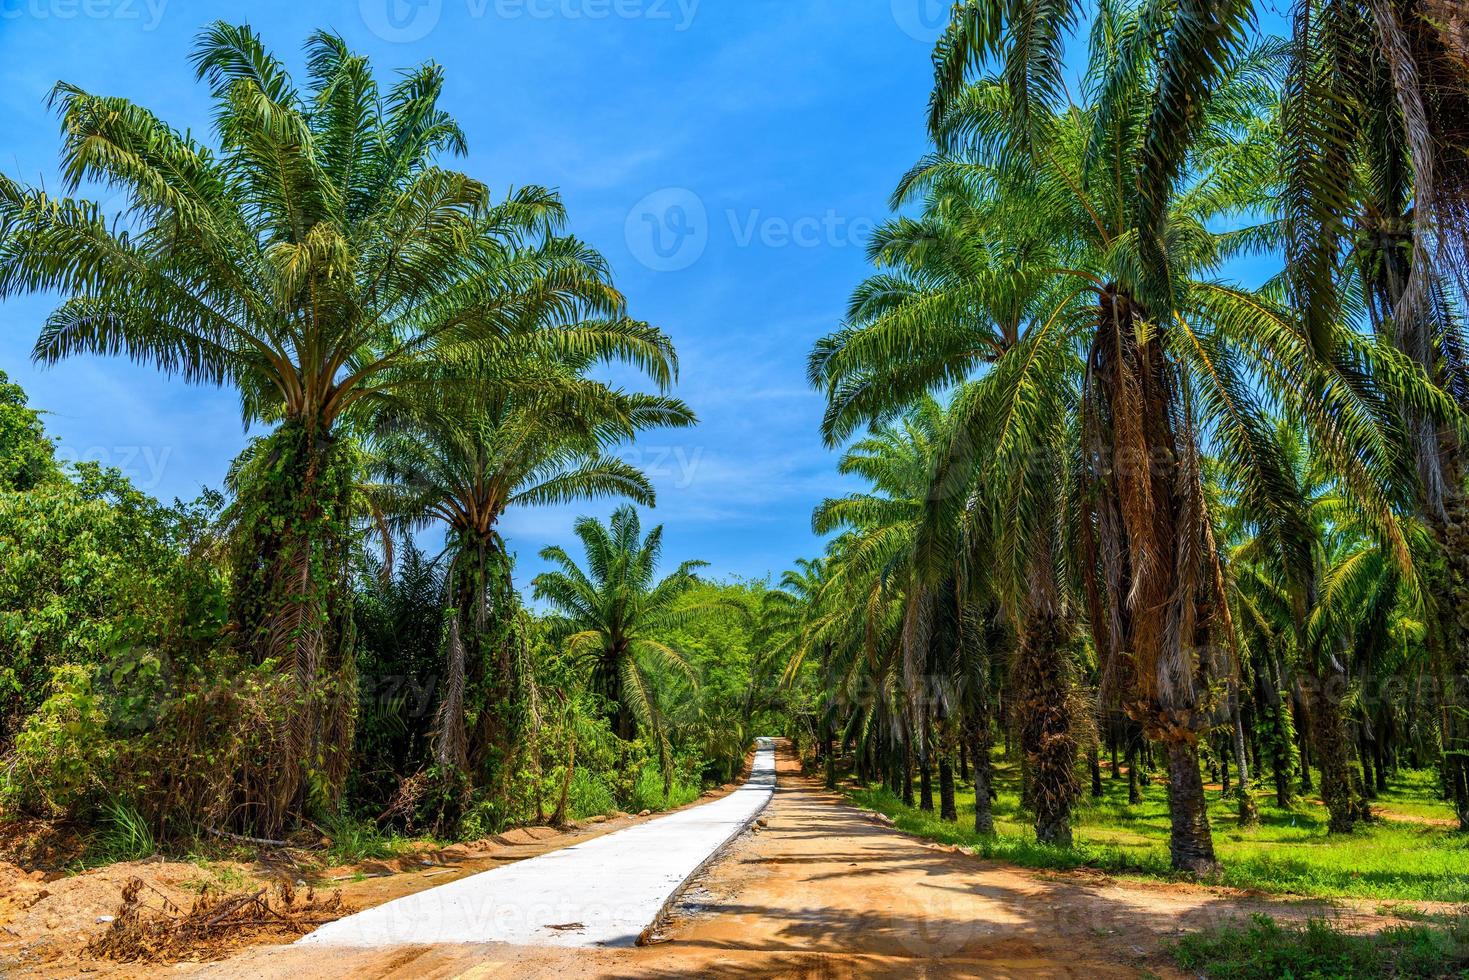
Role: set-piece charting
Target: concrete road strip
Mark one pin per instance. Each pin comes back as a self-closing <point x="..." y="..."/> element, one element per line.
<point x="603" y="892"/>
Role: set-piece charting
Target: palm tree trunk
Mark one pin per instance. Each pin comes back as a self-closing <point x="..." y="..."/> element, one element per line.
<point x="1134" y="789"/>
<point x="1095" y="760"/>
<point x="907" y="772"/>
<point x="981" y="744"/>
<point x="1190" y="844"/>
<point x="451" y="742"/>
<point x="1333" y="749"/>
<point x="1249" y="814"/>
<point x="925" y="768"/>
<point x="1304" y="721"/>
<point x="1154" y="550"/>
<point x="948" y="808"/>
<point x="290" y="604"/>
<point x="1044" y="694"/>
<point x="1452" y="533"/>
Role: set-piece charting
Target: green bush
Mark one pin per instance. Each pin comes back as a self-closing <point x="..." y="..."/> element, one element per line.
<point x="62" y="759"/>
<point x="356" y="840"/>
<point x="647" y="793"/>
<point x="125" y="836"/>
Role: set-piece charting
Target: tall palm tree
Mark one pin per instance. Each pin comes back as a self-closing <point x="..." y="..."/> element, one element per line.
<point x="616" y="614"/>
<point x="541" y="436"/>
<point x="319" y="260"/>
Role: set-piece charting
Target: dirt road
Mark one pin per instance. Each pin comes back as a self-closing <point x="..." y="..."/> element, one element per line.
<point x="824" y="890"/>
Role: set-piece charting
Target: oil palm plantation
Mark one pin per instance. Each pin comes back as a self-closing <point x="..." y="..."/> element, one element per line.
<point x="1325" y="606"/>
<point x="320" y="260"/>
<point x="1050" y="189"/>
<point x="614" y="614"/>
<point x="874" y="564"/>
<point x="541" y="435"/>
<point x="1375" y="166"/>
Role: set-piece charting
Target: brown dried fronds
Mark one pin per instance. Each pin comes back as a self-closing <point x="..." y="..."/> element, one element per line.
<point x="150" y="928"/>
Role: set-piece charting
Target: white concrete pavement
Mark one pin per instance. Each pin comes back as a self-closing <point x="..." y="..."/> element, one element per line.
<point x="603" y="892"/>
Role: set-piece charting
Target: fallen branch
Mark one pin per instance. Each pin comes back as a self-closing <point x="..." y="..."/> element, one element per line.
<point x="241" y="838"/>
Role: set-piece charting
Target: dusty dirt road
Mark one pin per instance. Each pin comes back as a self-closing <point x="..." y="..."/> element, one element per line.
<point x="824" y="890"/>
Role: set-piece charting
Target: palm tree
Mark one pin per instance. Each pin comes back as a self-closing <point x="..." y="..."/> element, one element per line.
<point x="545" y="439"/>
<point x="875" y="563"/>
<point x="320" y="261"/>
<point x="616" y="614"/>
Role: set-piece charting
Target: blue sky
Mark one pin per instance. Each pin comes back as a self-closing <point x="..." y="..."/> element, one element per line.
<point x="758" y="139"/>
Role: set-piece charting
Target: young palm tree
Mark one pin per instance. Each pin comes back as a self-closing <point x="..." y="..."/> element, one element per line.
<point x="318" y="261"/>
<point x="616" y="614"/>
<point x="541" y="436"/>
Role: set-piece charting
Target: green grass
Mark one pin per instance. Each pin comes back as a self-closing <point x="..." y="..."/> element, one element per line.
<point x="647" y="793"/>
<point x="354" y="840"/>
<point x="1266" y="950"/>
<point x="1289" y="852"/>
<point x="123" y="836"/>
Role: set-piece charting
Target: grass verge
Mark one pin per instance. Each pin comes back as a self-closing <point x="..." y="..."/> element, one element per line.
<point x="1267" y="950"/>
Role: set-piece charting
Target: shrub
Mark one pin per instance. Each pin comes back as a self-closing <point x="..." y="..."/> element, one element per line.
<point x="63" y="758"/>
<point x="589" y="796"/>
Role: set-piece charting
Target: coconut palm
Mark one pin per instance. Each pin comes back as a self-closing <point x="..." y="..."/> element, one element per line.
<point x="543" y="435"/>
<point x="319" y="260"/>
<point x="616" y="613"/>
